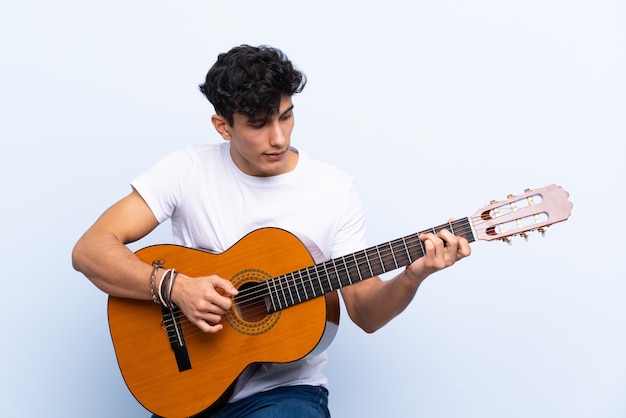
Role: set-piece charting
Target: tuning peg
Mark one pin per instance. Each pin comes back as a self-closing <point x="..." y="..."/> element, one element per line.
<point x="507" y="240"/>
<point x="542" y="230"/>
<point x="510" y="196"/>
<point x="493" y="201"/>
<point x="528" y="190"/>
<point x="524" y="235"/>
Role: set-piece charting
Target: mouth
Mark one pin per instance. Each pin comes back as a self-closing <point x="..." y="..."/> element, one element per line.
<point x="274" y="156"/>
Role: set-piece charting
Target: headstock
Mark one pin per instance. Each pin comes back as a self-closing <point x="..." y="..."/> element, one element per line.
<point x="517" y="215"/>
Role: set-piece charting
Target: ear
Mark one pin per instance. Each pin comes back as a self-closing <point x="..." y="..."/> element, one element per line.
<point x="221" y="126"/>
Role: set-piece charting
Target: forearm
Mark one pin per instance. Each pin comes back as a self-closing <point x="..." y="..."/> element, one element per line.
<point x="371" y="305"/>
<point x="111" y="266"/>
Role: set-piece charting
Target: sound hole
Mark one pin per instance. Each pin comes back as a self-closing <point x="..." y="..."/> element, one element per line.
<point x="251" y="308"/>
<point x="250" y="315"/>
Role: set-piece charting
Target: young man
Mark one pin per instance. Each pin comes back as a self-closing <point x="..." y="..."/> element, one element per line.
<point x="216" y="194"/>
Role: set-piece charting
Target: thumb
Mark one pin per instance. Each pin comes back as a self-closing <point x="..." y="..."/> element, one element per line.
<point x="226" y="286"/>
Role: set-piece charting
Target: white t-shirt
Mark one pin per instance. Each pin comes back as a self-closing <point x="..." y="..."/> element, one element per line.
<point x="212" y="205"/>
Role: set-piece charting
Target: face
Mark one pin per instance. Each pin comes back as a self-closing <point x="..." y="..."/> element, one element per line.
<point x="261" y="147"/>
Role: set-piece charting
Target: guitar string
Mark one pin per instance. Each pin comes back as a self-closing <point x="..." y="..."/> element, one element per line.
<point x="260" y="291"/>
<point x="259" y="295"/>
<point x="319" y="282"/>
<point x="384" y="251"/>
<point x="256" y="295"/>
<point x="344" y="265"/>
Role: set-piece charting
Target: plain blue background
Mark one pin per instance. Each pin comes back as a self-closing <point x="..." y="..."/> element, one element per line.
<point x="436" y="107"/>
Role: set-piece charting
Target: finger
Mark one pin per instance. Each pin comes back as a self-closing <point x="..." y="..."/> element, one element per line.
<point x="430" y="240"/>
<point x="452" y="241"/>
<point x="447" y="236"/>
<point x="210" y="318"/>
<point x="457" y="245"/>
<point x="225" y="285"/>
<point x="207" y="326"/>
<point x="464" y="248"/>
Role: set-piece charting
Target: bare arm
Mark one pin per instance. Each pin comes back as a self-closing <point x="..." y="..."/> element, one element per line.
<point x="102" y="256"/>
<point x="374" y="302"/>
<point x="101" y="253"/>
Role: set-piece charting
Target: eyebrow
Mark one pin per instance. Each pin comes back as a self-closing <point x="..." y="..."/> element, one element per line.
<point x="289" y="109"/>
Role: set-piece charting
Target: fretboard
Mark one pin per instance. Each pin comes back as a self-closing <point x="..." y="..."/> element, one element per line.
<point x="317" y="280"/>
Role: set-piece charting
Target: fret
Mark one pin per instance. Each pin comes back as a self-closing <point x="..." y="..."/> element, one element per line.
<point x="338" y="276"/>
<point x="275" y="307"/>
<point x="414" y="247"/>
<point x="306" y="294"/>
<point x="388" y="262"/>
<point x="308" y="280"/>
<point x="319" y="280"/>
<point x="369" y="258"/>
<point x="327" y="275"/>
<point x="278" y="293"/>
<point x="359" y="266"/>
<point x="400" y="257"/>
<point x="350" y="273"/>
<point x="369" y="266"/>
<point x="282" y="290"/>
<point x="311" y="282"/>
<point x="422" y="247"/>
<point x="293" y="301"/>
<point x="382" y="262"/>
<point x="393" y="256"/>
<point x="406" y="250"/>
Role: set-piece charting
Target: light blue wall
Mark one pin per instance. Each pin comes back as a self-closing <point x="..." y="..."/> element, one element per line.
<point x="435" y="107"/>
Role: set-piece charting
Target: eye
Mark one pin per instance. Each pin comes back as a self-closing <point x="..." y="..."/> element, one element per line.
<point x="256" y="124"/>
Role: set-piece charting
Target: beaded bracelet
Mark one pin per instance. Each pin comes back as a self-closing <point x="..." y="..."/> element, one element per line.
<point x="156" y="265"/>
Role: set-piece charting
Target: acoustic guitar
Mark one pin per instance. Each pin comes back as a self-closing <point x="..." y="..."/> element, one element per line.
<point x="284" y="306"/>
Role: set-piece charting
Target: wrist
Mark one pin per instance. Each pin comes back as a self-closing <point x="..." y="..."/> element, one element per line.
<point x="177" y="291"/>
<point x="413" y="277"/>
<point x="161" y="288"/>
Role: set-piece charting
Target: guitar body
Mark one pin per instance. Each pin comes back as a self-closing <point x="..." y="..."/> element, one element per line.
<point x="143" y="348"/>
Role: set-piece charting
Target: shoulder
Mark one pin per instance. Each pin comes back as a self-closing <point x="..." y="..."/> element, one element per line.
<point x="203" y="152"/>
<point x="324" y="170"/>
<point x="190" y="158"/>
<point x="328" y="183"/>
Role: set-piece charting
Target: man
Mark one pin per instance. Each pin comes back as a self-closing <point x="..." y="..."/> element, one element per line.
<point x="216" y="194"/>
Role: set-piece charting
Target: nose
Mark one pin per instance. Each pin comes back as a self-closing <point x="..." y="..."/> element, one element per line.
<point x="277" y="137"/>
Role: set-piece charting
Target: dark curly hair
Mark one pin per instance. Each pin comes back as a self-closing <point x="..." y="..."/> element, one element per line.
<point x="251" y="80"/>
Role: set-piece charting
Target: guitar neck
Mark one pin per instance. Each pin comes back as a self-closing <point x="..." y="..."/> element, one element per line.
<point x="320" y="279"/>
